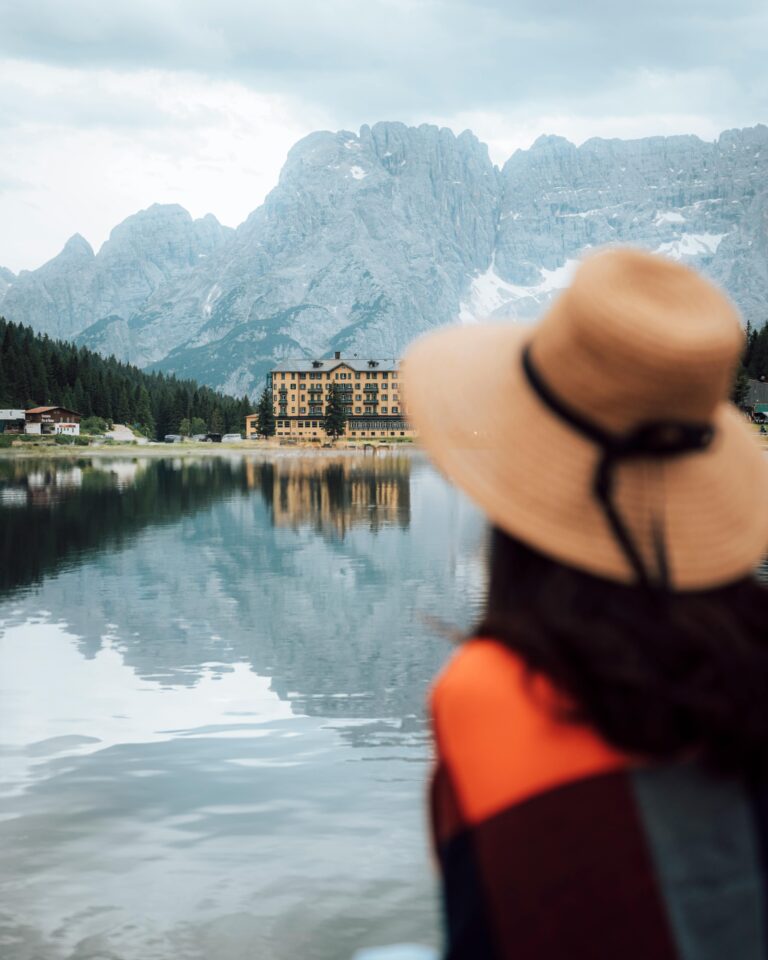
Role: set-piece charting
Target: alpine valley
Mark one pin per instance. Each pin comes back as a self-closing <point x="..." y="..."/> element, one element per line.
<point x="369" y="239"/>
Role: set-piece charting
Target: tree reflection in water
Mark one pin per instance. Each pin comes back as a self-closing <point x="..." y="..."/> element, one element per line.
<point x="55" y="513"/>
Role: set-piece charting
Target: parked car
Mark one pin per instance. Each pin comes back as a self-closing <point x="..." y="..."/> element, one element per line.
<point x="200" y="437"/>
<point x="760" y="418"/>
<point x="231" y="438"/>
<point x="172" y="438"/>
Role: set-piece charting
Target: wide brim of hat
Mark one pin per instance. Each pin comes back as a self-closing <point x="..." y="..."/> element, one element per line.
<point x="532" y="474"/>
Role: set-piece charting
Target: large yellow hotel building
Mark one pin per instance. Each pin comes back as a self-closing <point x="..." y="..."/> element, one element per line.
<point x="370" y="390"/>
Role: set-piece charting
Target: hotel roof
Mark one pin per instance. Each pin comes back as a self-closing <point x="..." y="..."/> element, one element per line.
<point x="302" y="365"/>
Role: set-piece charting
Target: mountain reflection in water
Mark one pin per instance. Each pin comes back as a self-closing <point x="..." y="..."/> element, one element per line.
<point x="194" y="657"/>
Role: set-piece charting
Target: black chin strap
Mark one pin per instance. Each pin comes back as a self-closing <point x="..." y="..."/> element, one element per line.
<point x="653" y="440"/>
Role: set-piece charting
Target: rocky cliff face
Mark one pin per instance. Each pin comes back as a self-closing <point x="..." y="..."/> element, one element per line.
<point x="366" y="241"/>
<point x="693" y="201"/>
<point x="6" y="279"/>
<point x="370" y="239"/>
<point x="77" y="288"/>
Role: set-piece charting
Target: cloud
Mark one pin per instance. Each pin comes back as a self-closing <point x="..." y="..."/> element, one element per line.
<point x="94" y="146"/>
<point x="385" y="57"/>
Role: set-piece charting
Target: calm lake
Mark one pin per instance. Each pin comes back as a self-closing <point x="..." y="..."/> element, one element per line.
<point x="212" y="679"/>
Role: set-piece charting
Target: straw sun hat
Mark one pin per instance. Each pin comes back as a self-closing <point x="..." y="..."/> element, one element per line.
<point x="603" y="436"/>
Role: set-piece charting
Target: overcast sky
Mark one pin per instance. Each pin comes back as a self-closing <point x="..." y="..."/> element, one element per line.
<point x="107" y="106"/>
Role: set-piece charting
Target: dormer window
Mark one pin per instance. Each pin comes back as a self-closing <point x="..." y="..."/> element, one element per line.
<point x="317" y="363"/>
<point x="373" y="363"/>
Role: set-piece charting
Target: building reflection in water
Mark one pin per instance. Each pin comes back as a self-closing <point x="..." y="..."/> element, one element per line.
<point x="333" y="494"/>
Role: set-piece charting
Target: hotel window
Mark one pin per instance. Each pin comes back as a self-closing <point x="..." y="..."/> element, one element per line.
<point x="357" y="376"/>
<point x="302" y="410"/>
<point x="358" y="396"/>
<point x="395" y="409"/>
<point x="394" y="376"/>
<point x="293" y="376"/>
<point x="384" y="386"/>
<point x="383" y="409"/>
<point x="402" y="433"/>
<point x="302" y="376"/>
<point x="369" y="410"/>
<point x="385" y="375"/>
<point x="282" y="376"/>
<point x="293" y="386"/>
<point x="358" y="410"/>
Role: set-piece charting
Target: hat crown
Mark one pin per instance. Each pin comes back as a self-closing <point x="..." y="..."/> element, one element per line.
<point x="639" y="338"/>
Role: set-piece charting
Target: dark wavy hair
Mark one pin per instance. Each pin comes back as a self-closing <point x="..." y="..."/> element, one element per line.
<point x="661" y="676"/>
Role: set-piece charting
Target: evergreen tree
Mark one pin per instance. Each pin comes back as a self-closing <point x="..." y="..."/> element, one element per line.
<point x="78" y="395"/>
<point x="266" y="415"/>
<point x="335" y="416"/>
<point x="144" y="417"/>
<point x="740" y="387"/>
<point x="217" y="421"/>
<point x="123" y="409"/>
<point x="197" y="426"/>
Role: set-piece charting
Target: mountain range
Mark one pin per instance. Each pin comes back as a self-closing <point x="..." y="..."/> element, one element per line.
<point x="369" y="239"/>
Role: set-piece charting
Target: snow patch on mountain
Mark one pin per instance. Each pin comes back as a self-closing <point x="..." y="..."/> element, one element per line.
<point x="691" y="245"/>
<point x="490" y="297"/>
<point x="670" y="216"/>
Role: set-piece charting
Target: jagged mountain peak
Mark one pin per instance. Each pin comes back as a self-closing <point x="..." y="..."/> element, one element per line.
<point x="77" y="288"/>
<point x="157" y="221"/>
<point x="551" y="141"/>
<point x="371" y="237"/>
<point x="77" y="246"/>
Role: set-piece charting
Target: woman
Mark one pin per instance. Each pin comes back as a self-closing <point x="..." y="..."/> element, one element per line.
<point x="603" y="737"/>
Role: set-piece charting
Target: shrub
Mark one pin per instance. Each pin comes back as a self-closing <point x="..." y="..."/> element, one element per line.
<point x="81" y="441"/>
<point x="5" y="441"/>
<point x="94" y="425"/>
<point x="63" y="440"/>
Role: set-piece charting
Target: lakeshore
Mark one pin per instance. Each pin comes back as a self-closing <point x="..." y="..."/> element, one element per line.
<point x="270" y="448"/>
